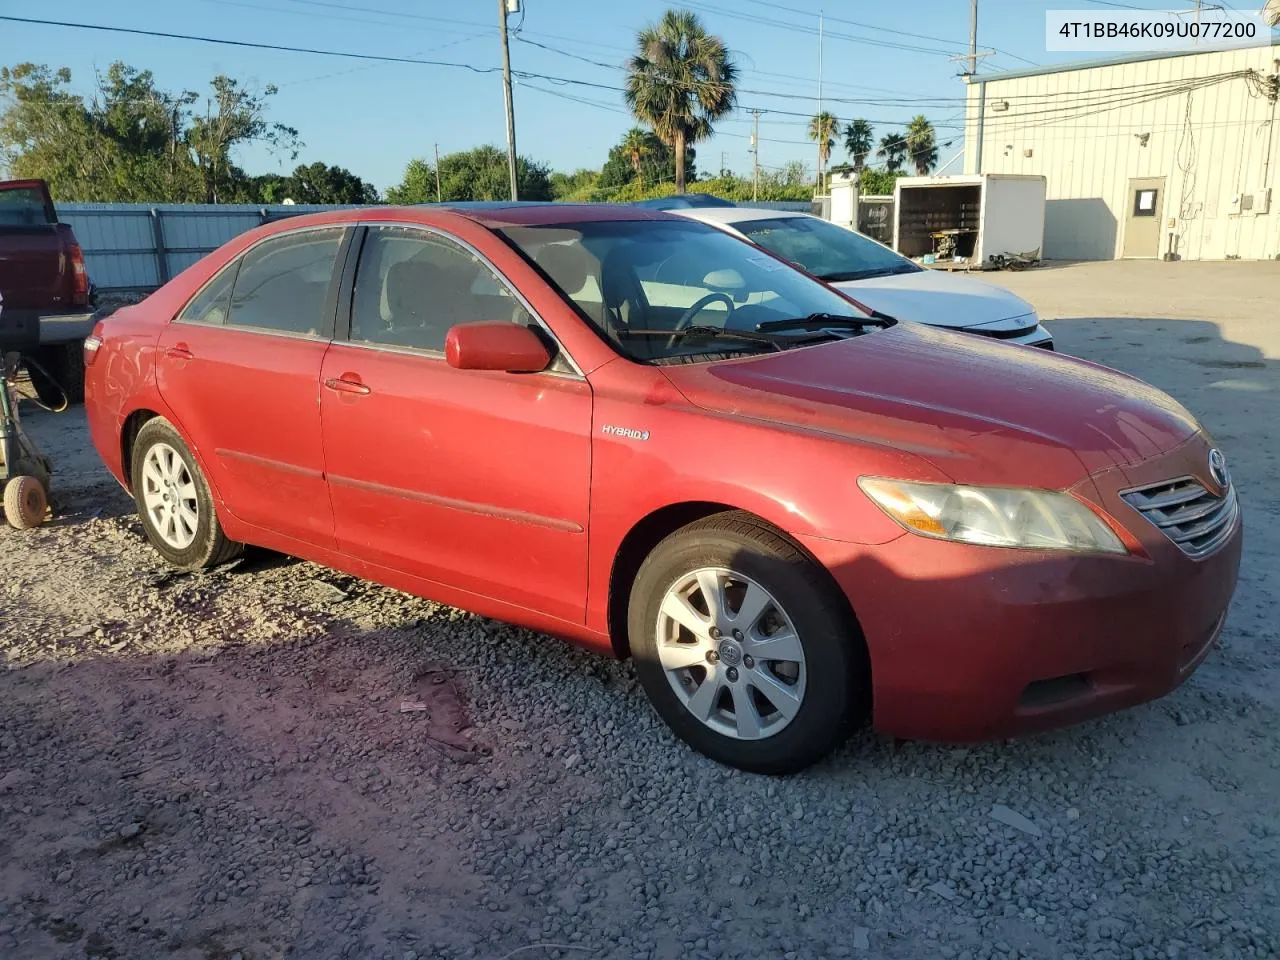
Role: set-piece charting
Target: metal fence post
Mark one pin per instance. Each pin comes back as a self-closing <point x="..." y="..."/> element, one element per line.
<point x="162" y="254"/>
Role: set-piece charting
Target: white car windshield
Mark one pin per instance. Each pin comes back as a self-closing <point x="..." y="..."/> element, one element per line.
<point x="663" y="290"/>
<point x="825" y="249"/>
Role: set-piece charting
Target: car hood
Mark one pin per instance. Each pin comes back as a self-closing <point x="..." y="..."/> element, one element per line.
<point x="940" y="298"/>
<point x="980" y="410"/>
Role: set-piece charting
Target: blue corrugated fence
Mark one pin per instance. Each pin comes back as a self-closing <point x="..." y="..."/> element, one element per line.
<point x="138" y="246"/>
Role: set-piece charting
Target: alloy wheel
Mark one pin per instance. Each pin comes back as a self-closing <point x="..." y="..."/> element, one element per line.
<point x="731" y="653"/>
<point x="169" y="495"/>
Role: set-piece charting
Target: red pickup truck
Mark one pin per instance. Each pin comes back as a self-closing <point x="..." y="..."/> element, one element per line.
<point x="45" y="289"/>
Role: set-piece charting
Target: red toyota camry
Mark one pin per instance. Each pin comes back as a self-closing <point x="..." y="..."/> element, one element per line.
<point x="647" y="436"/>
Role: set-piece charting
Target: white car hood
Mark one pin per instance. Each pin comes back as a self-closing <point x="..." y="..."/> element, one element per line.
<point x="941" y="299"/>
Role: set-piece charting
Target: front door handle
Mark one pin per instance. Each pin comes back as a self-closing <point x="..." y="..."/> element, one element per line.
<point x="346" y="385"/>
<point x="179" y="352"/>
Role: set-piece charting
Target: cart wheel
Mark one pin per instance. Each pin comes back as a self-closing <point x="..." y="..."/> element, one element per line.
<point x="25" y="502"/>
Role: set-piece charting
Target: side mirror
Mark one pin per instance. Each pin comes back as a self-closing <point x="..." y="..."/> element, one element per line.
<point x="495" y="345"/>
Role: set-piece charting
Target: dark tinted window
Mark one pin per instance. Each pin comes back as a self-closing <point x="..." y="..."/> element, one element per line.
<point x="23" y="207"/>
<point x="412" y="286"/>
<point x="283" y="283"/>
<point x="210" y="304"/>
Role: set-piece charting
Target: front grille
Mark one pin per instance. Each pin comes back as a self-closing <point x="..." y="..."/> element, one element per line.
<point x="1004" y="334"/>
<point x="1187" y="513"/>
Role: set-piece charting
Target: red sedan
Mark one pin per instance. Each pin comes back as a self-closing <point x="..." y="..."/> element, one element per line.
<point x="647" y="436"/>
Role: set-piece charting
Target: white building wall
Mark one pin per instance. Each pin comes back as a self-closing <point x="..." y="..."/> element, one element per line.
<point x="1081" y="129"/>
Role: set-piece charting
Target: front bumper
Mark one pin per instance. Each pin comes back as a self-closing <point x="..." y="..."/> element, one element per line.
<point x="976" y="643"/>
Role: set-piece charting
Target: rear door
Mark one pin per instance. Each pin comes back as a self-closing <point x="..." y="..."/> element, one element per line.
<point x="32" y="260"/>
<point x="240" y="368"/>
<point x="475" y="479"/>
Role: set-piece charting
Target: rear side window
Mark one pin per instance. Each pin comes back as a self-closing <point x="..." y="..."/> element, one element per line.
<point x="210" y="304"/>
<point x="283" y="283"/>
<point x="412" y="286"/>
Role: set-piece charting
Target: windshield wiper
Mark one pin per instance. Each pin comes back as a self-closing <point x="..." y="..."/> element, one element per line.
<point x="703" y="332"/>
<point x="829" y="321"/>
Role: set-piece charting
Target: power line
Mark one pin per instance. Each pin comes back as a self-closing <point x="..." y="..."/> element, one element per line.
<point x="251" y="44"/>
<point x="870" y="26"/>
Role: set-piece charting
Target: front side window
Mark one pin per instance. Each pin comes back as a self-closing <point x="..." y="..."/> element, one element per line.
<point x="412" y="286"/>
<point x="642" y="282"/>
<point x="283" y="283"/>
<point x="825" y="249"/>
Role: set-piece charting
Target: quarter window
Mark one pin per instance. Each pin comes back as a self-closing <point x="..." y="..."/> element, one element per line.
<point x="210" y="304"/>
<point x="283" y="283"/>
<point x="412" y="286"/>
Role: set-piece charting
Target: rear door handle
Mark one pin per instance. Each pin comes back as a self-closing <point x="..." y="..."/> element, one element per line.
<point x="179" y="352"/>
<point x="344" y="385"/>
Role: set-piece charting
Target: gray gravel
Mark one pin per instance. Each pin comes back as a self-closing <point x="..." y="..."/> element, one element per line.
<point x="219" y="766"/>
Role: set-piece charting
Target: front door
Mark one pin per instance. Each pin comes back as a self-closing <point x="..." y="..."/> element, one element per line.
<point x="1143" y="218"/>
<point x="478" y="480"/>
<point x="240" y="366"/>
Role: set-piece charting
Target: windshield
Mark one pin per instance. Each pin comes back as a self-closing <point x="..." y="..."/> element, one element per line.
<point x="825" y="249"/>
<point x="637" y="280"/>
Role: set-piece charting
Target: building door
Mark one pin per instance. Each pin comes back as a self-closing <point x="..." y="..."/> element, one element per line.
<point x="1143" y="218"/>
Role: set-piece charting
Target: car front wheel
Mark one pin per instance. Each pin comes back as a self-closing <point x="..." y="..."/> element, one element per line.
<point x="744" y="646"/>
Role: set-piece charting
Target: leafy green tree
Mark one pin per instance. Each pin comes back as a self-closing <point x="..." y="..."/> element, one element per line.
<point x="922" y="145"/>
<point x="478" y="174"/>
<point x="417" y="186"/>
<point x="316" y="183"/>
<point x="877" y="183"/>
<point x="637" y="145"/>
<point x="48" y="132"/>
<point x="893" y="151"/>
<point x="132" y="142"/>
<point x="680" y="80"/>
<point x="233" y="115"/>
<point x="657" y="163"/>
<point x="822" y="129"/>
<point x="858" y="142"/>
<point x="578" y="185"/>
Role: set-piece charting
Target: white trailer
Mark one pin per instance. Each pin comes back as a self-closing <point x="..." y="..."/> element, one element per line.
<point x="975" y="221"/>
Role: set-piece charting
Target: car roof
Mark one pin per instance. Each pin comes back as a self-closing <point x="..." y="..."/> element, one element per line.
<point x="731" y="215"/>
<point x="493" y="213"/>
<point x="684" y="201"/>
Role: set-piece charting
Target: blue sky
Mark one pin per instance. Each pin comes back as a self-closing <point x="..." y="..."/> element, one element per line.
<point x="374" y="117"/>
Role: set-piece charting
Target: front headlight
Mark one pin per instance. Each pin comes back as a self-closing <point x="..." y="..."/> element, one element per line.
<point x="993" y="516"/>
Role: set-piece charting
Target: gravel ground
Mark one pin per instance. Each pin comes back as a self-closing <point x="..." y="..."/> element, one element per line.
<point x="222" y="766"/>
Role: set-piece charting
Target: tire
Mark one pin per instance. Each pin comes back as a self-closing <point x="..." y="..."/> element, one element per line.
<point x="26" y="502"/>
<point x="768" y="716"/>
<point x="184" y="529"/>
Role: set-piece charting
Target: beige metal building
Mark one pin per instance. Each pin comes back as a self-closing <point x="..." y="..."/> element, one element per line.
<point x="1149" y="156"/>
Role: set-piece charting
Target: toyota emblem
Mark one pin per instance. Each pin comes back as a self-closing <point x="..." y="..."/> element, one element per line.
<point x="1218" y="468"/>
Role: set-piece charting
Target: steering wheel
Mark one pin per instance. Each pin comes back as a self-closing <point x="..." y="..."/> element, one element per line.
<point x="686" y="318"/>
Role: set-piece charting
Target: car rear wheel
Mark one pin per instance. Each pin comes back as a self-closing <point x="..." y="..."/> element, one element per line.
<point x="744" y="646"/>
<point x="174" y="502"/>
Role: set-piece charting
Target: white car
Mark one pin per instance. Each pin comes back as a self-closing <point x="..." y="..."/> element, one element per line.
<point x="879" y="277"/>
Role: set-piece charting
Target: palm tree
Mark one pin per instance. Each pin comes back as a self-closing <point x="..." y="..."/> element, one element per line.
<point x="680" y="81"/>
<point x="922" y="145"/>
<point x="636" y="145"/>
<point x="858" y="143"/>
<point x="893" y="151"/>
<point x="822" y="128"/>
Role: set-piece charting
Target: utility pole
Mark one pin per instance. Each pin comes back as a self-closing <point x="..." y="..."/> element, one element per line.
<point x="506" y="92"/>
<point x="755" y="155"/>
<point x="821" y="163"/>
<point x="973" y="36"/>
<point x="438" y="173"/>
